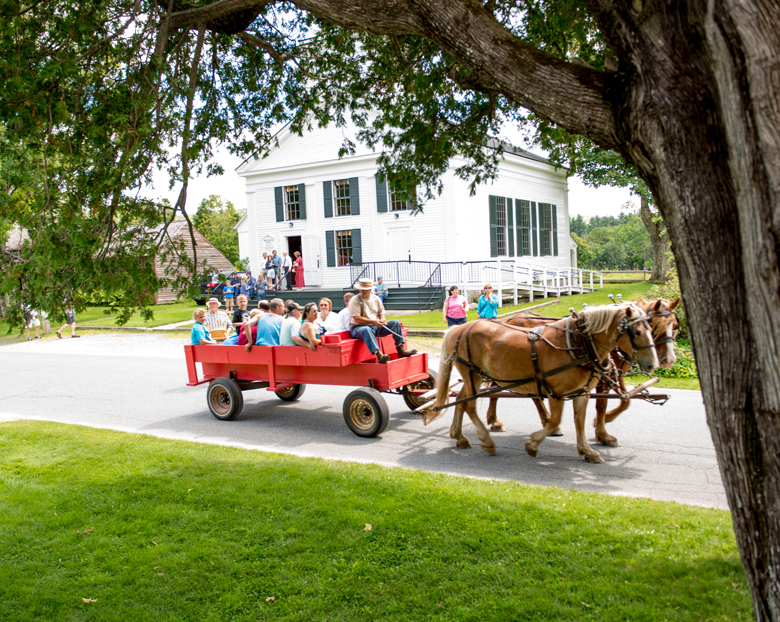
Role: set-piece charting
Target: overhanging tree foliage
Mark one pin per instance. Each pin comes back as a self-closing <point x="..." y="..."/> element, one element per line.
<point x="686" y="93"/>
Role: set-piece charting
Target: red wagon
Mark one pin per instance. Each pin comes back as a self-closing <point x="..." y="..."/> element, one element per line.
<point x="286" y="370"/>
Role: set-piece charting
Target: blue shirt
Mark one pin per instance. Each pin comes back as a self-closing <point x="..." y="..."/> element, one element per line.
<point x="380" y="288"/>
<point x="487" y="306"/>
<point x="277" y="261"/>
<point x="199" y="331"/>
<point x="269" y="330"/>
<point x="228" y="291"/>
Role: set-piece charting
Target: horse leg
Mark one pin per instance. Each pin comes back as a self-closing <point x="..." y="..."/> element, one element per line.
<point x="456" y="429"/>
<point x="482" y="432"/>
<point x="492" y="420"/>
<point x="601" y="431"/>
<point x="544" y="416"/>
<point x="610" y="416"/>
<point x="532" y="445"/>
<point x="580" y="409"/>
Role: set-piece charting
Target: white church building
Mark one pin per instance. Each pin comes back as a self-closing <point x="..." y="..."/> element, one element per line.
<point x="337" y="212"/>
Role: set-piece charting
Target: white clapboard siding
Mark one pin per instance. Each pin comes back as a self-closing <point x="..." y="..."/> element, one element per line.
<point x="453" y="226"/>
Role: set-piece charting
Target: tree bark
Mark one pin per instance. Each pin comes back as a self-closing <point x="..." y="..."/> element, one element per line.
<point x="695" y="106"/>
<point x="659" y="241"/>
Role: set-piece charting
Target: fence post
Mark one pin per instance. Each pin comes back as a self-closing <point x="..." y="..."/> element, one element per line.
<point x="514" y="280"/>
<point x="530" y="284"/>
<point x="498" y="278"/>
<point x="591" y="281"/>
<point x="571" y="278"/>
<point x="601" y="280"/>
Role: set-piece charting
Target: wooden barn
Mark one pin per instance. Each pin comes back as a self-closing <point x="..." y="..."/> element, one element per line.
<point x="214" y="260"/>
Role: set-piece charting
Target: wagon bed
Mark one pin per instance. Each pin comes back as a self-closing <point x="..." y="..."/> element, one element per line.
<point x="287" y="370"/>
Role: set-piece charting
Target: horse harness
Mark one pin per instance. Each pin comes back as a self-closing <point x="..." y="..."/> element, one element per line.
<point x="588" y="358"/>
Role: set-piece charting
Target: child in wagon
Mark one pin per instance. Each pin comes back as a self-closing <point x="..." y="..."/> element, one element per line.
<point x="200" y="334"/>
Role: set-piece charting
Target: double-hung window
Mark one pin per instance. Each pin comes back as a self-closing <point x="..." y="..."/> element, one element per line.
<point x="292" y="203"/>
<point x="341" y="197"/>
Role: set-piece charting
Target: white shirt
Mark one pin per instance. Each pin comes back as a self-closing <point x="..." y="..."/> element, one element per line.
<point x="290" y="327"/>
<point x="345" y="319"/>
<point x="332" y="324"/>
<point x="286" y="262"/>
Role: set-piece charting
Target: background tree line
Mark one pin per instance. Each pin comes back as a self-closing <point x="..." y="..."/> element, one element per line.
<point x="612" y="242"/>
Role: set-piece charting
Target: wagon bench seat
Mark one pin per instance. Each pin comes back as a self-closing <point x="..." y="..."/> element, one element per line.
<point x="340" y="361"/>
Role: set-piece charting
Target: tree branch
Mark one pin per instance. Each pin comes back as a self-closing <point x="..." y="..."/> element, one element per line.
<point x="281" y="59"/>
<point x="211" y="12"/>
<point x="573" y="97"/>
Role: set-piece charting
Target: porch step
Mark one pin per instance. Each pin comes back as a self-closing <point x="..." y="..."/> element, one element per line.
<point x="399" y="298"/>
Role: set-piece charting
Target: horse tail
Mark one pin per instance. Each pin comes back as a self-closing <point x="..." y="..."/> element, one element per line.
<point x="443" y="381"/>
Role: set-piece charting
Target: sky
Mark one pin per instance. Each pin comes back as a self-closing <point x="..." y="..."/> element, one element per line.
<point x="583" y="200"/>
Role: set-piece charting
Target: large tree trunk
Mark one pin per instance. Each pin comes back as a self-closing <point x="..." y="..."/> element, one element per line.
<point x="709" y="151"/>
<point x="695" y="106"/>
<point x="659" y="241"/>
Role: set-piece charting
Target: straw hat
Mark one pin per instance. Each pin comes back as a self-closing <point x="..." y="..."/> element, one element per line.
<point x="212" y="299"/>
<point x="365" y="284"/>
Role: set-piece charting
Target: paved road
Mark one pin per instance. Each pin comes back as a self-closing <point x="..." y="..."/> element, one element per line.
<point x="136" y="382"/>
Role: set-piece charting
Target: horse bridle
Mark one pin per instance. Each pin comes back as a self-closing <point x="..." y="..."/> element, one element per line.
<point x="665" y="313"/>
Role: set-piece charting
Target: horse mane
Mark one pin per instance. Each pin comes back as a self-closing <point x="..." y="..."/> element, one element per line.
<point x="599" y="319"/>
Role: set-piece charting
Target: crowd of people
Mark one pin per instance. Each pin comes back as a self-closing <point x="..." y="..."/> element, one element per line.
<point x="278" y="273"/>
<point x="276" y="322"/>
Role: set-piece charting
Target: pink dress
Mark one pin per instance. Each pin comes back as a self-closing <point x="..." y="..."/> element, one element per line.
<point x="298" y="264"/>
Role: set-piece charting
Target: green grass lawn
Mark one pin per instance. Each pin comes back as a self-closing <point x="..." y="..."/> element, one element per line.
<point x="151" y="529"/>
<point x="630" y="291"/>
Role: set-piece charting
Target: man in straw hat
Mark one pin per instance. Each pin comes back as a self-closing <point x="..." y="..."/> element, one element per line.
<point x="367" y="314"/>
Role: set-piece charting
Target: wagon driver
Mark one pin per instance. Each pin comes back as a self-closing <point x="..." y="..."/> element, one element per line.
<point x="368" y="322"/>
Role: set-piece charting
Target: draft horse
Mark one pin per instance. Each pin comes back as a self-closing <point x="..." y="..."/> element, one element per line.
<point x="664" y="325"/>
<point x="558" y="361"/>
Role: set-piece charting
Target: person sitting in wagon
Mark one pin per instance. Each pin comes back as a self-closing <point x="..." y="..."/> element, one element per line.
<point x="217" y="321"/>
<point x="368" y="322"/>
<point x="200" y="334"/>
<point x="269" y="326"/>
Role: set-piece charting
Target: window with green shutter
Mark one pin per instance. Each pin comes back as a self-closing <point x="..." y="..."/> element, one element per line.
<point x="534" y="236"/>
<point x="493" y="235"/>
<point x="523" y="219"/>
<point x="510" y="234"/>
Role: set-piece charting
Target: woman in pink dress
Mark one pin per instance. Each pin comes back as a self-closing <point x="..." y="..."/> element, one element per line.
<point x="298" y="268"/>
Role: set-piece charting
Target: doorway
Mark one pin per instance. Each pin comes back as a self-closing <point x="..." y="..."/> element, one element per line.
<point x="294" y="245"/>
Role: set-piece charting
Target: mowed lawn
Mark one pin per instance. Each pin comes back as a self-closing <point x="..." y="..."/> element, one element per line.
<point x="103" y="525"/>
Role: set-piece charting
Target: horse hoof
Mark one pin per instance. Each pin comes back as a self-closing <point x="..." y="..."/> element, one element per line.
<point x="556" y="432"/>
<point x="490" y="449"/>
<point x="595" y="459"/>
<point x="609" y="441"/>
<point x="530" y="449"/>
<point x="463" y="443"/>
<point x="497" y="427"/>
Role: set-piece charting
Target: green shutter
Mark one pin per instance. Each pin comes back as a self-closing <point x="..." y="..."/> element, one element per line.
<point x="327" y="197"/>
<point x="302" y="200"/>
<point x="354" y="197"/>
<point x="330" y="248"/>
<point x="510" y="225"/>
<point x="493" y="227"/>
<point x="357" y="246"/>
<point x="534" y="236"/>
<point x="555" y="229"/>
<point x="279" y="200"/>
<point x="381" y="194"/>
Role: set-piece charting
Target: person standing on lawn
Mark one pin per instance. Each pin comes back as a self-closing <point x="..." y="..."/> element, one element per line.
<point x="454" y="310"/>
<point x="70" y="320"/>
<point x="32" y="319"/>
<point x="487" y="306"/>
<point x="368" y="322"/>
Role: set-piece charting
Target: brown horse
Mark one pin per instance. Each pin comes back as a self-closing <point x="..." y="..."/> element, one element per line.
<point x="665" y="326"/>
<point x="538" y="362"/>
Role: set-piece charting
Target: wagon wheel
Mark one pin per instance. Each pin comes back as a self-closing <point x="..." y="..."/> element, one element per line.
<point x="366" y="412"/>
<point x="224" y="398"/>
<point x="290" y="394"/>
<point x="415" y="401"/>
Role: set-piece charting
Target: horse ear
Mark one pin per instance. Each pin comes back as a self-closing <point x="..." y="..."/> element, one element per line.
<point x="674" y="304"/>
<point x="629" y="311"/>
<point x="658" y="305"/>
